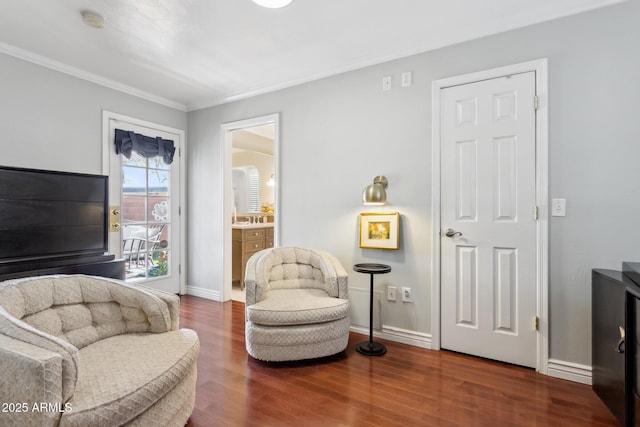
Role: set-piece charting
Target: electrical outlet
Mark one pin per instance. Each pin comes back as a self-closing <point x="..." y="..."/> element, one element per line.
<point x="391" y="293"/>
<point x="406" y="295"/>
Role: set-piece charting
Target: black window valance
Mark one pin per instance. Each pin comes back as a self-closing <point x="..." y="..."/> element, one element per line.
<point x="146" y="146"/>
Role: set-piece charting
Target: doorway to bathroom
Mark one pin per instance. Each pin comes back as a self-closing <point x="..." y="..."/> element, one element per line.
<point x="250" y="196"/>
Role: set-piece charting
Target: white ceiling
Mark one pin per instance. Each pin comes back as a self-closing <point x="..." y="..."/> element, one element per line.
<point x="190" y="54"/>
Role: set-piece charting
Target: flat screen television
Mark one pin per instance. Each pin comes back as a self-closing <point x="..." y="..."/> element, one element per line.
<point x="49" y="214"/>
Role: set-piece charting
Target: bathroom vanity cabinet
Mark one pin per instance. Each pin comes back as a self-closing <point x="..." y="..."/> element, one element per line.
<point x="247" y="240"/>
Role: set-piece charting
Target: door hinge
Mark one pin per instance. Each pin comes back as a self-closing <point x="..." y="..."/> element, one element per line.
<point x="179" y="268"/>
<point x="536" y="102"/>
<point x="535" y="213"/>
<point x="179" y="210"/>
<point x="536" y="323"/>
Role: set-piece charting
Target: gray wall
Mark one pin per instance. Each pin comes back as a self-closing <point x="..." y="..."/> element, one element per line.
<point x="338" y="133"/>
<point x="50" y="120"/>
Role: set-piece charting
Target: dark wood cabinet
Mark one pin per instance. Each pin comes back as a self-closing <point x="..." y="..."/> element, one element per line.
<point x="104" y="266"/>
<point x="54" y="222"/>
<point x="608" y="292"/>
<point x="632" y="361"/>
<point x="615" y="345"/>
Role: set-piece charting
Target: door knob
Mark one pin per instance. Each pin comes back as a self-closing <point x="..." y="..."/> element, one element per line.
<point x="451" y="233"/>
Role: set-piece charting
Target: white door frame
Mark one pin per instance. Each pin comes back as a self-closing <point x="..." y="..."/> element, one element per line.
<point x="227" y="193"/>
<point x="107" y="146"/>
<point x="542" y="182"/>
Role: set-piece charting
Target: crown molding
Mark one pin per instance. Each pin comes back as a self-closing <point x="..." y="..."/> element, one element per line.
<point x="85" y="75"/>
<point x="560" y="11"/>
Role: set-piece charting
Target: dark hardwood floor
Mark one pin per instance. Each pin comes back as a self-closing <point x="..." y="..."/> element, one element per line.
<point x="408" y="386"/>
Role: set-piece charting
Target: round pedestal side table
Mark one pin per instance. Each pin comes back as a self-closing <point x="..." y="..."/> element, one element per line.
<point x="371" y="348"/>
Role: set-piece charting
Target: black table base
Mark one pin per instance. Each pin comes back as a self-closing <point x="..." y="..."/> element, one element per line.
<point x="370" y="348"/>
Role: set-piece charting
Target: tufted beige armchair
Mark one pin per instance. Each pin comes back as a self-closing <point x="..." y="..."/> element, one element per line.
<point x="297" y="305"/>
<point x="88" y="351"/>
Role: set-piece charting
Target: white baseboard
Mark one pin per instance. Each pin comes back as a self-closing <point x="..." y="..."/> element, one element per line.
<point x="404" y="336"/>
<point x="204" y="293"/>
<point x="555" y="368"/>
<point x="569" y="371"/>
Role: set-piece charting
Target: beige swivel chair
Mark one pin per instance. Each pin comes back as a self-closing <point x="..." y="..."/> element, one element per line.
<point x="296" y="304"/>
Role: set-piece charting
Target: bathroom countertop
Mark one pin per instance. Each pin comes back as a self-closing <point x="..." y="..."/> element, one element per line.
<point x="246" y="225"/>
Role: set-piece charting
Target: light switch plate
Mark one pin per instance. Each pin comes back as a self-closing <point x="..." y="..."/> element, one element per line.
<point x="406" y="79"/>
<point x="558" y="207"/>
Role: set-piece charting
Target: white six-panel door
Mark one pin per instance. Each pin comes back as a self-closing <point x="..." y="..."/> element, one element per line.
<point x="488" y="267"/>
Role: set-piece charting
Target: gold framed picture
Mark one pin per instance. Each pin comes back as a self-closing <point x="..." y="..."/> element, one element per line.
<point x="379" y="230"/>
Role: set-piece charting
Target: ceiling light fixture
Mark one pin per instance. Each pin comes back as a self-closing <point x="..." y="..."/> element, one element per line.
<point x="92" y="19"/>
<point x="272" y="4"/>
